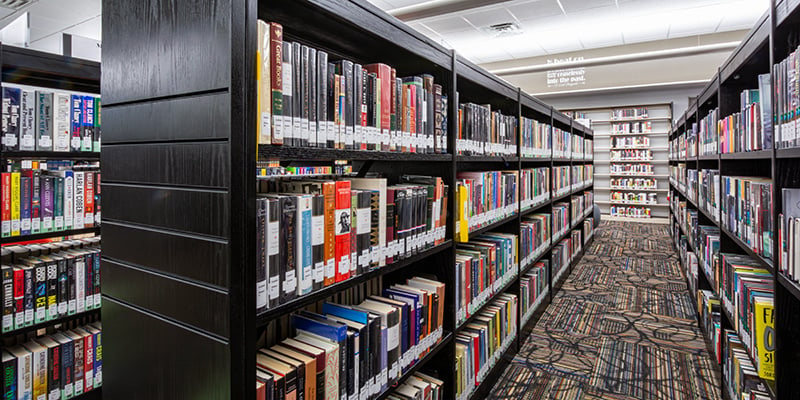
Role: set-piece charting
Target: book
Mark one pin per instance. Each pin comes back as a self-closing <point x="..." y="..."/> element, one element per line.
<point x="263" y="89"/>
<point x="11" y="119"/>
<point x="28" y="126"/>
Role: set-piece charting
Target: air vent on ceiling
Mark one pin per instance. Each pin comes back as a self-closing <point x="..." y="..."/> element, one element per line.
<point x="503" y="29"/>
<point x="14" y="4"/>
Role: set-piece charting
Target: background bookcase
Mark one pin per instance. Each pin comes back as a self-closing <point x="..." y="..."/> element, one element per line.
<point x="602" y="121"/>
<point x="179" y="234"/>
<point x="770" y="41"/>
<point x="27" y="67"/>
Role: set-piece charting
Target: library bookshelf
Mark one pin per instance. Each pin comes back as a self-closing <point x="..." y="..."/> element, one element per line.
<point x="187" y="302"/>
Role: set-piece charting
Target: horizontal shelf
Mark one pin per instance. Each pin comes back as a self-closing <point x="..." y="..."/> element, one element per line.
<point x="487" y="303"/>
<point x="633" y="189"/>
<point x="748" y="155"/>
<point x="636" y="175"/>
<point x="535" y="207"/>
<point x="446" y="338"/>
<point x="502" y="159"/>
<point x="793" y="152"/>
<point x="50" y="155"/>
<point x="708" y="157"/>
<point x="790" y="285"/>
<point x="53" y="322"/>
<point x="491" y="226"/>
<point x="269" y="315"/>
<point x="651" y="161"/>
<point x="47" y="235"/>
<point x="562" y="196"/>
<point x="703" y="211"/>
<point x="291" y="153"/>
<point x="630" y="203"/>
<point x="609" y="121"/>
<point x="610" y="134"/>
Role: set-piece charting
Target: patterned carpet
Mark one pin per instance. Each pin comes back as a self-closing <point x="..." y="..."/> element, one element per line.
<point x="622" y="327"/>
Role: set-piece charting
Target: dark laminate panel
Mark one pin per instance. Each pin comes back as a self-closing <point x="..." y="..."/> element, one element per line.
<point x="195" y="258"/>
<point x="204" y="116"/>
<point x="164" y="47"/>
<point x="190" y="210"/>
<point x="185" y="164"/>
<point x="190" y="303"/>
<point x="150" y="358"/>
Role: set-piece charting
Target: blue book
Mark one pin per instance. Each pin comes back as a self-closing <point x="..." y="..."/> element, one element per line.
<point x="415" y="302"/>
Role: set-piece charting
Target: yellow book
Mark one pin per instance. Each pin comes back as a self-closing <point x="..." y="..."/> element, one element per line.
<point x="462" y="229"/>
<point x="38" y="369"/>
<point x="15" y="200"/>
<point x="765" y="337"/>
<point x="264" y="94"/>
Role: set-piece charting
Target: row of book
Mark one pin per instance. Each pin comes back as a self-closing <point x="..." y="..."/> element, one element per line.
<point x="534" y="187"/>
<point x="588" y="229"/>
<point x="629" y="211"/>
<point x="746" y="209"/>
<point x="562" y="141"/>
<point x="580" y="204"/>
<point x="58" y="366"/>
<point x="631" y="127"/>
<point x="482" y="342"/>
<point x="534" y="285"/>
<point x="786" y="101"/>
<point x="535" y="237"/>
<point x="630" y="142"/>
<point x="691" y="184"/>
<point x="709" y="191"/>
<point x="578" y="146"/>
<point x="274" y="169"/>
<point x="354" y="351"/>
<point x="314" y="233"/>
<point x="419" y="386"/>
<point x="484" y="197"/>
<point x="588" y="149"/>
<point x="749" y="129"/>
<point x="706" y="241"/>
<point x="482" y="131"/>
<point x="709" y="135"/>
<point x="633" y="183"/>
<point x="634" y="197"/>
<point x="632" y="169"/>
<point x="41" y="197"/>
<point x="561" y="219"/>
<point x="632" y="155"/>
<point x="536" y="138"/>
<point x="306" y="101"/>
<point x="484" y="266"/>
<point x="789" y="234"/>
<point x="49" y="281"/>
<point x="562" y="182"/>
<point x="561" y="256"/>
<point x="629" y="113"/>
<point x="38" y="119"/>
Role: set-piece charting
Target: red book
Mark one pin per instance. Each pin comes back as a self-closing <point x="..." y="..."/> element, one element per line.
<point x="384" y="73"/>
<point x="276" y="80"/>
<point x="88" y="203"/>
<point x="343" y="224"/>
<point x="5" y="215"/>
<point x="412" y="115"/>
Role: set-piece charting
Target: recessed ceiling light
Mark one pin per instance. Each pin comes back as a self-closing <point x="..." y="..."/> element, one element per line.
<point x="13" y="4"/>
<point x="503" y="29"/>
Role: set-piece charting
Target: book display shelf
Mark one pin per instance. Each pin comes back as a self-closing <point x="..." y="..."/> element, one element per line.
<point x="180" y="223"/>
<point x="733" y="208"/>
<point x="632" y="147"/>
<point x="47" y="142"/>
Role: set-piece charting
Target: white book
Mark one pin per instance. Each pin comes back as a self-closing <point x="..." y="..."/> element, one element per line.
<point x="61" y="122"/>
<point x="39" y="369"/>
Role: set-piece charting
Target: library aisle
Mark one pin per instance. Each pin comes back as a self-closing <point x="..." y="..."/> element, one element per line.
<point x="622" y="327"/>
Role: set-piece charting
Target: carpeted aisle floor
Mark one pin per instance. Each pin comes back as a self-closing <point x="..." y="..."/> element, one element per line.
<point x="622" y="327"/>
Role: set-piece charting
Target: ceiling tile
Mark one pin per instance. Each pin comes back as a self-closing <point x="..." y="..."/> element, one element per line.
<point x="489" y="17"/>
<point x="571" y="6"/>
<point x="531" y="10"/>
<point x="448" y="24"/>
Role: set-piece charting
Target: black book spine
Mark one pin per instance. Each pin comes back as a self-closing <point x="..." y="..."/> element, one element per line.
<point x="289" y="262"/>
<point x="63" y="287"/>
<point x="359" y="93"/>
<point x="318" y="240"/>
<point x="10" y="379"/>
<point x="273" y="252"/>
<point x="40" y="292"/>
<point x="322" y="99"/>
<point x="297" y="96"/>
<point x="368" y="111"/>
<point x="332" y="98"/>
<point x="288" y="93"/>
<point x="363" y="227"/>
<point x="30" y="282"/>
<point x="313" y="104"/>
<point x="89" y="281"/>
<point x="72" y="292"/>
<point x="261" y="255"/>
<point x="375" y="223"/>
<point x="96" y="283"/>
<point x="68" y="368"/>
<point x="54" y="372"/>
<point x="8" y="298"/>
<point x="306" y="95"/>
<point x="352" y="379"/>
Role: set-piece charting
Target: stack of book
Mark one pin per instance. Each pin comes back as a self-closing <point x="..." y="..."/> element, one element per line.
<point x="709" y="191"/>
<point x="39" y="119"/>
<point x="629" y="113"/>
<point x="707" y="239"/>
<point x="710" y="313"/>
<point x="560" y="219"/>
<point x="576" y="244"/>
<point x="588" y="149"/>
<point x="560" y="257"/>
<point x="46" y="282"/>
<point x="632" y="169"/>
<point x="588" y="174"/>
<point x="534" y="187"/>
<point x="60" y="365"/>
<point x="588" y="202"/>
<point x="482" y="131"/>
<point x="789" y="234"/>
<point x="484" y="266"/>
<point x="578" y="205"/>
<point x="561" y="143"/>
<point x="534" y="237"/>
<point x="536" y="138"/>
<point x="561" y="180"/>
<point x="632" y="155"/>
<point x="534" y="286"/>
<point x="49" y="196"/>
<point x="314" y="233"/>
<point x="482" y="342"/>
<point x="709" y="133"/>
<point x="419" y="386"/>
<point x="577" y="147"/>
<point x="746" y="209"/>
<point x="633" y="183"/>
<point x="741" y="377"/>
<point x="631" y="127"/>
<point x="744" y="131"/>
<point x="588" y="229"/>
<point x="306" y="101"/>
<point x="576" y="177"/>
<point x="485" y="197"/>
<point x="633" y="198"/>
<point x="354" y="351"/>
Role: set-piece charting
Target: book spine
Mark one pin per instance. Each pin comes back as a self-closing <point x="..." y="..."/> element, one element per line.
<point x="314" y="139"/>
<point x="15" y="204"/>
<point x="96" y="283"/>
<point x="5" y="203"/>
<point x="69" y="200"/>
<point x="289" y="234"/>
<point x="273" y="245"/>
<point x="262" y="300"/>
<point x="88" y="362"/>
<point x="8" y="299"/>
<point x="88" y="218"/>
<point x="303" y="241"/>
<point x="27" y="132"/>
<point x="342" y="222"/>
<point x="87" y="123"/>
<point x="72" y="287"/>
<point x="97" y="210"/>
<point x="276" y="60"/>
<point x="10" y="119"/>
<point x="52" y="290"/>
<point x="263" y="92"/>
<point x="40" y="293"/>
<point x="79" y="200"/>
<point x="63" y="287"/>
<point x="19" y="298"/>
<point x="36" y="202"/>
<point x="44" y="121"/>
<point x="97" y="138"/>
<point x="30" y="309"/>
<point x="58" y="203"/>
<point x="68" y="370"/>
<point x="76" y="122"/>
<point x="297" y="96"/>
<point x="62" y="116"/>
<point x="25" y="206"/>
<point x="47" y="196"/>
<point x="305" y="96"/>
<point x="77" y="366"/>
<point x="318" y="240"/>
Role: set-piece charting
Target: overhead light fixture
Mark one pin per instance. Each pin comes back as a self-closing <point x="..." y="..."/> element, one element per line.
<point x="503" y="29"/>
<point x="14" y="4"/>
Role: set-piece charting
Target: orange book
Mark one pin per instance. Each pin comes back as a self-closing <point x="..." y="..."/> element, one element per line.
<point x="342" y="220"/>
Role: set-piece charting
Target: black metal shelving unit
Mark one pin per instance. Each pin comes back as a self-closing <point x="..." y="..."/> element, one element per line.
<point x="186" y="302"/>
